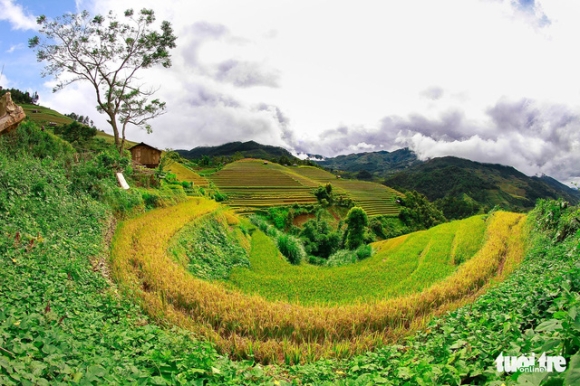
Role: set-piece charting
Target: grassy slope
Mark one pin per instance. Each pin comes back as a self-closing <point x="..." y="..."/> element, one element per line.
<point x="400" y="266"/>
<point x="183" y="173"/>
<point x="253" y="183"/>
<point x="44" y="116"/>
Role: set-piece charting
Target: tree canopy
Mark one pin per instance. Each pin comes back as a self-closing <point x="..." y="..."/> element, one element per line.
<point x="357" y="221"/>
<point x="109" y="54"/>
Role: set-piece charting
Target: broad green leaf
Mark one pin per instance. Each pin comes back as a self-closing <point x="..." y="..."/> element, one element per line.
<point x="573" y="372"/>
<point x="549" y="325"/>
<point x="531" y="379"/>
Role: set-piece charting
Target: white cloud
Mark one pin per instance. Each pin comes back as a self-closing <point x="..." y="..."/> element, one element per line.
<point x="14" y="48"/>
<point x="445" y="77"/>
<point x="16" y="16"/>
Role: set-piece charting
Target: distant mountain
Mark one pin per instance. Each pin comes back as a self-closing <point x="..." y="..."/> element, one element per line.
<point x="559" y="186"/>
<point x="379" y="164"/>
<point x="461" y="187"/>
<point x="248" y="149"/>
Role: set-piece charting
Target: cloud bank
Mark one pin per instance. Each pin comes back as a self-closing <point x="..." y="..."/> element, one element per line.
<point x="16" y="15"/>
<point x="491" y="81"/>
<point x="534" y="137"/>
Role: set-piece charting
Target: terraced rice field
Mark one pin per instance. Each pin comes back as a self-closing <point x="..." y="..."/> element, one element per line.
<point x="183" y="173"/>
<point x="243" y="325"/>
<point x="375" y="199"/>
<point x="254" y="183"/>
<point x="316" y="174"/>
<point x="400" y="266"/>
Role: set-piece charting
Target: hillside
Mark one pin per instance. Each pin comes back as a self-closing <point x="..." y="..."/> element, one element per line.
<point x="249" y="149"/>
<point x="251" y="184"/>
<point x="379" y="164"/>
<point x="455" y="181"/>
<point x="46" y="117"/>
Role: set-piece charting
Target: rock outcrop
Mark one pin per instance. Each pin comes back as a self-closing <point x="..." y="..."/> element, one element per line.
<point x="10" y="114"/>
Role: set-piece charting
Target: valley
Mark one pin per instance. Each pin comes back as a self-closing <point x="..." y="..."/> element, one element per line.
<point x="168" y="283"/>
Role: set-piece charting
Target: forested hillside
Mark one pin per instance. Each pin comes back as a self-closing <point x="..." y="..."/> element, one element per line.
<point x="461" y="187"/>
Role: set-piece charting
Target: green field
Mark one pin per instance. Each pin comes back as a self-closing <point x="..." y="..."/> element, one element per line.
<point x="251" y="184"/>
<point x="254" y="183"/>
<point x="183" y="173"/>
<point x="400" y="266"/>
<point x="44" y="116"/>
<point x="375" y="199"/>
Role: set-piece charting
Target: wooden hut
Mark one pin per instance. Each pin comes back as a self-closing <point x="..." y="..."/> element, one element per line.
<point x="146" y="155"/>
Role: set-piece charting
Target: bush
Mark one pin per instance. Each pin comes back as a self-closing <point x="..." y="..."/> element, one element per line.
<point x="319" y="238"/>
<point x="280" y="217"/>
<point x="291" y="248"/>
<point x="219" y="197"/>
<point x="30" y="140"/>
<point x="363" y="252"/>
<point x="342" y="257"/>
<point x="357" y="222"/>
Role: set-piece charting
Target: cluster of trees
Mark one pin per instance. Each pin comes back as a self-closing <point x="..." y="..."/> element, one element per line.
<point x="217" y="161"/>
<point x="21" y="97"/>
<point x="81" y="119"/>
<point x="76" y="132"/>
<point x="319" y="239"/>
<point x="326" y="197"/>
<point x="418" y="212"/>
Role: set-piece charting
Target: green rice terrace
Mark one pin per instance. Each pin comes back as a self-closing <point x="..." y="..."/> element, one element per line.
<point x="252" y="183"/>
<point x="403" y="265"/>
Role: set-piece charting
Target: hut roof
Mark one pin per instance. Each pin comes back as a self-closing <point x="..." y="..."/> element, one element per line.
<point x="144" y="144"/>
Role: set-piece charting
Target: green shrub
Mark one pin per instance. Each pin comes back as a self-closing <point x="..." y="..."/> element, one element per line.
<point x="363" y="252"/>
<point x="342" y="257"/>
<point x="280" y="217"/>
<point x="151" y="199"/>
<point x="291" y="248"/>
<point x="357" y="222"/>
<point x="30" y="140"/>
<point x="319" y="238"/>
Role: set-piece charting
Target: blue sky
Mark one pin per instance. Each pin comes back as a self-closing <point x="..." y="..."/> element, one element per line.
<point x="488" y="80"/>
<point x="16" y="20"/>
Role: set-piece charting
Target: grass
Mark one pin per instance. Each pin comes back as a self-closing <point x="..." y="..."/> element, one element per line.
<point x="241" y="324"/>
<point x="44" y="116"/>
<point x="183" y="173"/>
<point x="418" y="261"/>
<point x="211" y="246"/>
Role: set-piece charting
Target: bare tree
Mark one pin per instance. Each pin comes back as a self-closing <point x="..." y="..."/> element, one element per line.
<point x="108" y="54"/>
